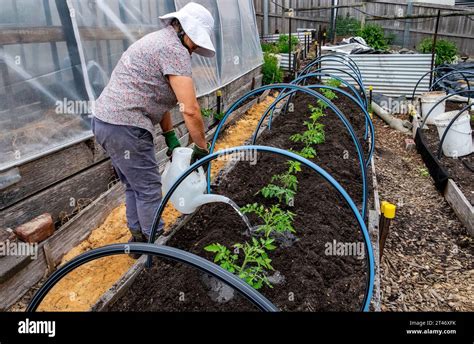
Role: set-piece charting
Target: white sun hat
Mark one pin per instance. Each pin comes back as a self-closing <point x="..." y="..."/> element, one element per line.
<point x="198" y="24"/>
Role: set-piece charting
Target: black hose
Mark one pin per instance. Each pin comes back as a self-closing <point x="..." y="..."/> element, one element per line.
<point x="175" y="254"/>
<point x="434" y="70"/>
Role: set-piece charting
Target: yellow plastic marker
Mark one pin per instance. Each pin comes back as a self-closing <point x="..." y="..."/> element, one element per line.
<point x="390" y="211"/>
<point x="219" y="93"/>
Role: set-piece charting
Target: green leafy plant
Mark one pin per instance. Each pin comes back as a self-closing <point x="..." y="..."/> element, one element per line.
<point x="306" y="152"/>
<point x="284" y="43"/>
<point x="374" y="36"/>
<point x="446" y="51"/>
<point x="424" y="172"/>
<point x="333" y="83"/>
<point x="270" y="48"/>
<point x="346" y="26"/>
<point x="285" y="185"/>
<point x="210" y="113"/>
<point x="329" y="94"/>
<point x="275" y="219"/>
<point x="254" y="264"/>
<point x="314" y="135"/>
<point x="270" y="70"/>
<point x="207" y="113"/>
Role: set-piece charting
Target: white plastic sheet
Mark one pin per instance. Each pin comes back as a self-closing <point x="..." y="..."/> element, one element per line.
<point x="46" y="86"/>
<point x="35" y="79"/>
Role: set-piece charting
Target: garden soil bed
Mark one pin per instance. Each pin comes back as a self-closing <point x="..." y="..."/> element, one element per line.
<point x="312" y="280"/>
<point x="456" y="168"/>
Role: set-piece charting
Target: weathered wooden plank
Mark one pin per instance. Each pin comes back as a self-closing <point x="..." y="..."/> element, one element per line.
<point x="45" y="34"/>
<point x="41" y="173"/>
<point x="10" y="265"/>
<point x="461" y="206"/>
<point x="62" y="197"/>
<point x="373" y="227"/>
<point x="69" y="236"/>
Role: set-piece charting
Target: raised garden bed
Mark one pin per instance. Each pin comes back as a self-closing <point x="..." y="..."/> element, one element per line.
<point x="308" y="278"/>
<point x="457" y="169"/>
<point x="453" y="177"/>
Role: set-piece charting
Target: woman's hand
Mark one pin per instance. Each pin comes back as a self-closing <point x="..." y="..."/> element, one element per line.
<point x="171" y="141"/>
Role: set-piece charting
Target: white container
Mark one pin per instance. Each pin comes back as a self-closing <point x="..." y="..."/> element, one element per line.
<point x="458" y="141"/>
<point x="428" y="101"/>
<point x="190" y="194"/>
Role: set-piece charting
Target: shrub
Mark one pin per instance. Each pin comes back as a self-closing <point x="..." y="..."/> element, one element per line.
<point x="271" y="73"/>
<point x="347" y="26"/>
<point x="283" y="43"/>
<point x="374" y="36"/>
<point x="446" y="51"/>
<point x="270" y="48"/>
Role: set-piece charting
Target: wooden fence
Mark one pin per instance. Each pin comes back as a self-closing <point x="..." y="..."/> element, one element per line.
<point x="408" y="33"/>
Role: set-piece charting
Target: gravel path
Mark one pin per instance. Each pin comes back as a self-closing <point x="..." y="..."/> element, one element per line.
<point x="427" y="263"/>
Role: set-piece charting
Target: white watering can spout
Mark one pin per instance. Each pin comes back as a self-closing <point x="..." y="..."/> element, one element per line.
<point x="190" y="194"/>
<point x="207" y="198"/>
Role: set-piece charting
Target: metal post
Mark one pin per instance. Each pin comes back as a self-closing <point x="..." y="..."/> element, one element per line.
<point x="319" y="50"/>
<point x="123" y="19"/>
<point x="334" y="24"/>
<point x="433" y="50"/>
<point x="332" y="19"/>
<point x="54" y="48"/>
<point x="406" y="32"/>
<point x="219" y="101"/>
<point x="362" y="21"/>
<point x="72" y="48"/>
<point x="289" y="41"/>
<point x="388" y="211"/>
<point x="369" y="106"/>
<point x="306" y="45"/>
<point x="265" y="17"/>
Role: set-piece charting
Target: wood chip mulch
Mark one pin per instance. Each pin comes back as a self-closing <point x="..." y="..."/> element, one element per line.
<point x="428" y="258"/>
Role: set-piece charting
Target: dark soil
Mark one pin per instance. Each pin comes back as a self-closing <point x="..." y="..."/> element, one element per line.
<point x="456" y="168"/>
<point x="313" y="281"/>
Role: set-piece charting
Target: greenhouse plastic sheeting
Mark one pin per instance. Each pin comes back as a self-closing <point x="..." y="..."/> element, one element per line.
<point x="68" y="51"/>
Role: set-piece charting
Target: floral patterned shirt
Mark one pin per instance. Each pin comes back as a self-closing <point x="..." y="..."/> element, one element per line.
<point x="139" y="93"/>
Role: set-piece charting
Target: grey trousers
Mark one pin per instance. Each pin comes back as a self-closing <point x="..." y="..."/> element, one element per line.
<point x="132" y="152"/>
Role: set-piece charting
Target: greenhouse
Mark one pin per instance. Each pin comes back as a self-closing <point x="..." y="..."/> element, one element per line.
<point x="79" y="43"/>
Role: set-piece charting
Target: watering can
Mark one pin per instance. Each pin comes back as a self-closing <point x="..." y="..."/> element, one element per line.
<point x="190" y="194"/>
